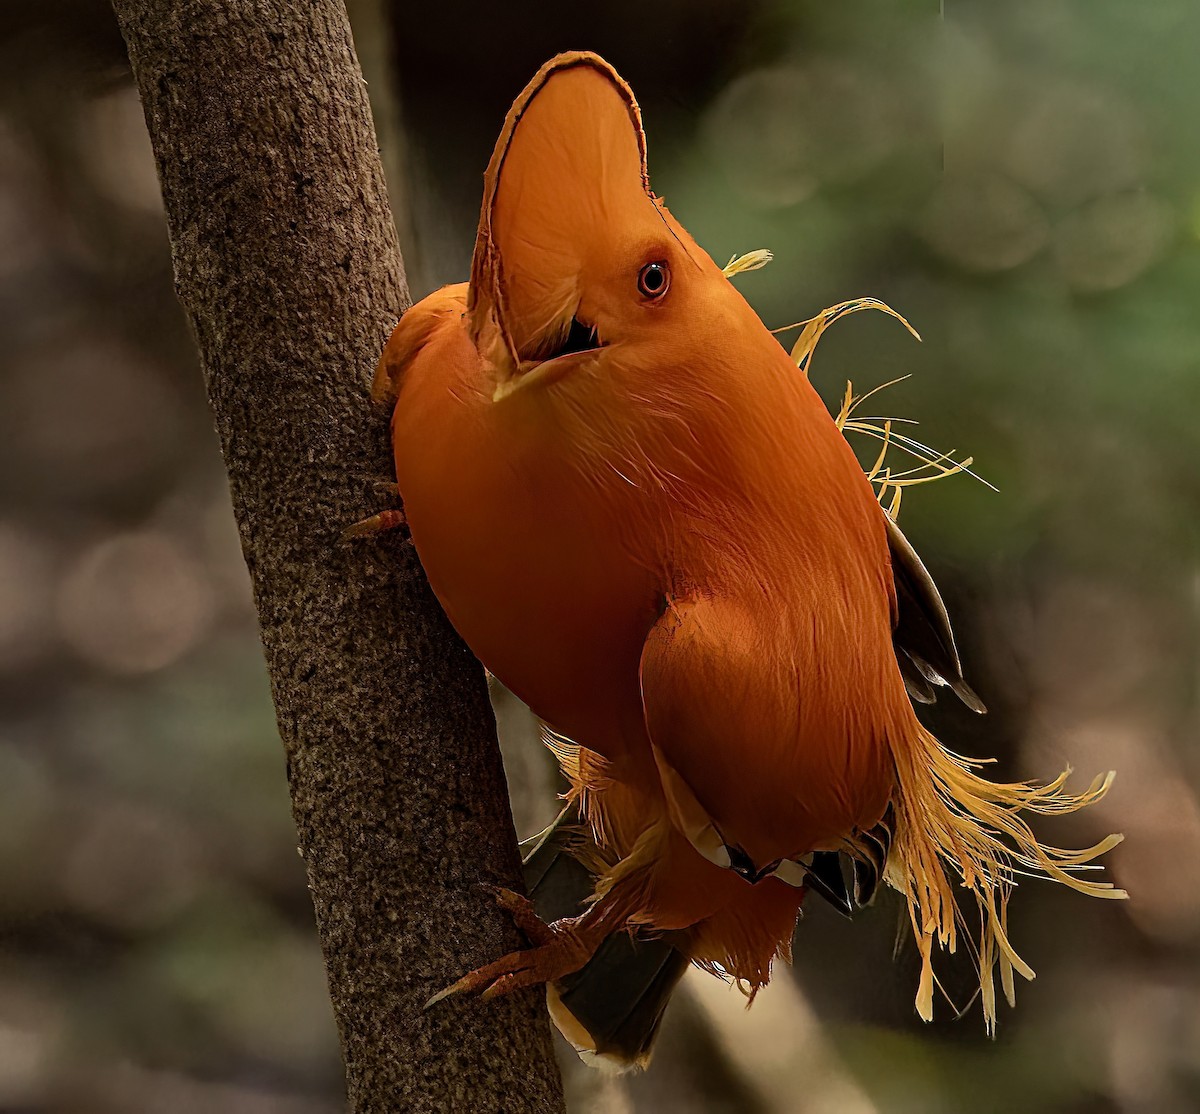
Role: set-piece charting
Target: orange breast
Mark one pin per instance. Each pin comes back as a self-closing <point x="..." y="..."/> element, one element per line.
<point x="548" y="595"/>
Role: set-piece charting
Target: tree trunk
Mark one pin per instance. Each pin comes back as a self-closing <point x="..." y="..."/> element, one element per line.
<point x="287" y="265"/>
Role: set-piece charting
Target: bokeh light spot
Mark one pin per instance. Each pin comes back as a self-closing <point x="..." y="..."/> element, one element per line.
<point x="114" y="137"/>
<point x="89" y="416"/>
<point x="134" y="603"/>
<point x="1113" y="240"/>
<point x="26" y="590"/>
<point x="983" y="222"/>
<point x="781" y="132"/>
<point x="1077" y="142"/>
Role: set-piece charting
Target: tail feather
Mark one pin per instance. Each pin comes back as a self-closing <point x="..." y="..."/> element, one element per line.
<point x="947" y="816"/>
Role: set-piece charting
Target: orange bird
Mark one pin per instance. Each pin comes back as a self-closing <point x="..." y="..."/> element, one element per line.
<point x="640" y="516"/>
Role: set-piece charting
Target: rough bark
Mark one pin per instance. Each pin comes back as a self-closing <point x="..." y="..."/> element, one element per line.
<point x="287" y="266"/>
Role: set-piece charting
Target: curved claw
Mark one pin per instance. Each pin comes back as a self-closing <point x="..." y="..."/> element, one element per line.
<point x="562" y="955"/>
<point x="458" y="988"/>
<point x="376" y="524"/>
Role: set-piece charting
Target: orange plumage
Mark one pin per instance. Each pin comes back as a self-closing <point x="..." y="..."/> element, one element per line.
<point x="642" y="519"/>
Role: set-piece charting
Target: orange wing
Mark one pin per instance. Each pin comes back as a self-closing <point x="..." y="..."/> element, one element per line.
<point x="723" y="692"/>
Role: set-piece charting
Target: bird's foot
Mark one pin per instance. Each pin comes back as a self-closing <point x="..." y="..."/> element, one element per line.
<point x="559" y="949"/>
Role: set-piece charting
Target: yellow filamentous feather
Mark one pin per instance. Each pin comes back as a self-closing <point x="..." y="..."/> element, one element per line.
<point x="948" y="816"/>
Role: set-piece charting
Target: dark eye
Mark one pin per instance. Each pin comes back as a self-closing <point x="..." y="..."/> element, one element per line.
<point x="653" y="280"/>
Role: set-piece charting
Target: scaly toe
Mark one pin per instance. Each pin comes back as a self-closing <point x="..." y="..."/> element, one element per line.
<point x="523" y="914"/>
<point x="565" y="951"/>
<point x="506" y="984"/>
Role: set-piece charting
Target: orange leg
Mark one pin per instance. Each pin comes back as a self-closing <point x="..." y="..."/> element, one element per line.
<point x="559" y="948"/>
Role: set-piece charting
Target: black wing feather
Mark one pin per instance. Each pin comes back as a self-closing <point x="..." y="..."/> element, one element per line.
<point x="922" y="636"/>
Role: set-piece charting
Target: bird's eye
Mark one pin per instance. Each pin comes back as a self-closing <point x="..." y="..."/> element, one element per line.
<point x="653" y="280"/>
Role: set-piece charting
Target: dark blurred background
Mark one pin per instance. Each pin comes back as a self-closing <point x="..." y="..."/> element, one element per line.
<point x="1020" y="179"/>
